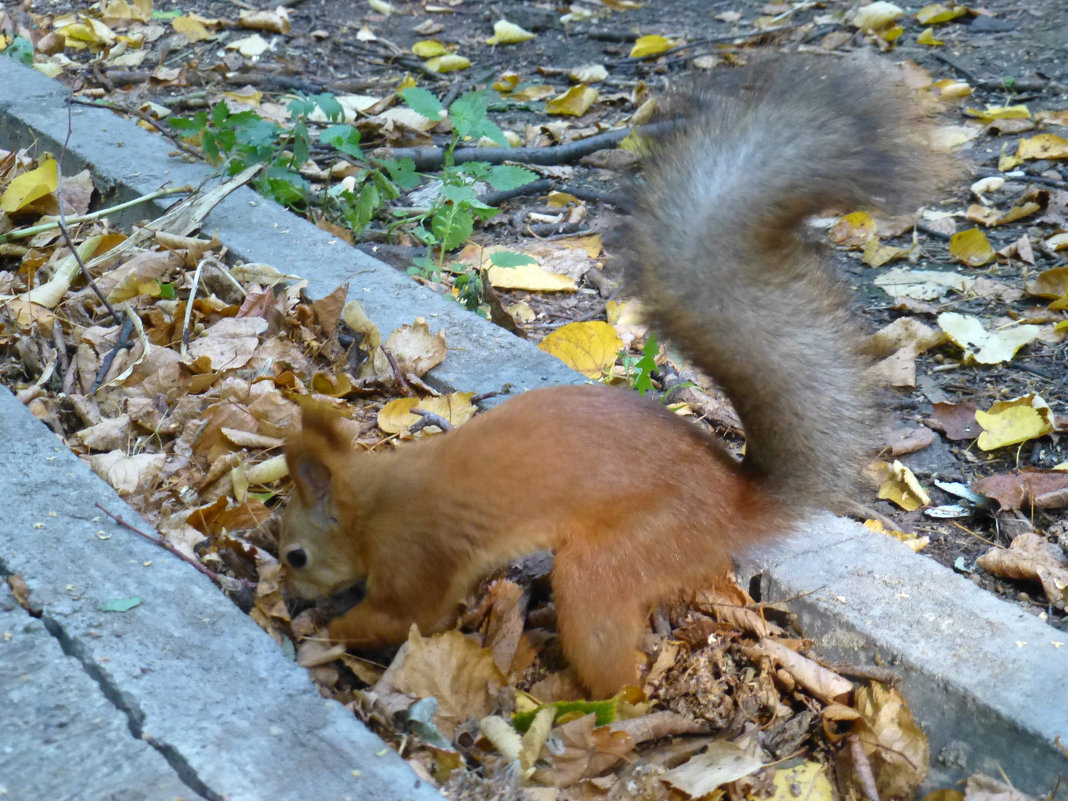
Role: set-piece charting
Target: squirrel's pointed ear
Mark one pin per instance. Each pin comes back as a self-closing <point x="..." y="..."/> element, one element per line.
<point x="307" y="453"/>
<point x="311" y="475"/>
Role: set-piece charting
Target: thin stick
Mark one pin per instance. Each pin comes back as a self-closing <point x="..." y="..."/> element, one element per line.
<point x="33" y="230"/>
<point x="62" y="222"/>
<point x="162" y="543"/>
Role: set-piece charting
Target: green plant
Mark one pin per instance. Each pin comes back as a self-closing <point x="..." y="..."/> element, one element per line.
<point x="20" y="49"/>
<point x="241" y="139"/>
<point x="639" y="371"/>
<point x="451" y="217"/>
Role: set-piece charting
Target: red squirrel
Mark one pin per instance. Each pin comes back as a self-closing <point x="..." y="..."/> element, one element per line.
<point x="637" y="504"/>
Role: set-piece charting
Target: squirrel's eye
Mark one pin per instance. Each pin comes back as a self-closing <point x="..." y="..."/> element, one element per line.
<point x="296" y="557"/>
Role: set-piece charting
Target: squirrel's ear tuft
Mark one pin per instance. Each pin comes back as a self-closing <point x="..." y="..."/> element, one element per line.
<point x="311" y="475"/>
<point x="309" y="453"/>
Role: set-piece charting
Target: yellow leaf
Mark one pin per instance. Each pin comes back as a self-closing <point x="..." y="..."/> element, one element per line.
<point x="192" y="28"/>
<point x="896" y="747"/>
<point x="381" y="7"/>
<point x="650" y="46"/>
<point x="982" y="346"/>
<point x="949" y="88"/>
<point x="506" y="82"/>
<point x="928" y="38"/>
<point x="575" y="102"/>
<point x="991" y="113"/>
<point x="971" y="247"/>
<point x="853" y="230"/>
<point x="876" y="16"/>
<point x="1043" y="146"/>
<point x="30" y="186"/>
<point x="333" y="386"/>
<point x="530" y="277"/>
<point x="1052" y="283"/>
<point x="876" y="254"/>
<point x="589" y="347"/>
<point x="444" y="64"/>
<point x="807" y="780"/>
<point x="396" y="416"/>
<point x="902" y="487"/>
<point x="429" y="48"/>
<point x="1014" y="421"/>
<point x="505" y="32"/>
<point x="935" y="14"/>
<point x="539" y="92"/>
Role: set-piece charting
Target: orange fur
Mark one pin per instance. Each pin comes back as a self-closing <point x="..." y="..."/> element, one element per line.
<point x="636" y="503"/>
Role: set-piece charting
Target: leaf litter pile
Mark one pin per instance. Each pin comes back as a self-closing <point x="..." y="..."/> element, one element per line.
<point x="182" y="399"/>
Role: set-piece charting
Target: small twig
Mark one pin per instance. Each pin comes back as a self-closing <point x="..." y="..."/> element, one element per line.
<point x="432" y="157"/>
<point x="852" y="670"/>
<point x="189" y="305"/>
<point x="429" y="419"/>
<point x="397" y="373"/>
<point x="162" y="543"/>
<point x="62" y="222"/>
<point x="484" y="396"/>
<point x="33" y="230"/>
<point x="862" y="769"/>
<point x="123" y="344"/>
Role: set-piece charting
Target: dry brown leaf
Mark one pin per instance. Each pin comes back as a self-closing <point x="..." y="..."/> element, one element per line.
<point x="826" y="685"/>
<point x="898" y="751"/>
<point x="587" y="751"/>
<point x="456" y="671"/>
<point x="1032" y="558"/>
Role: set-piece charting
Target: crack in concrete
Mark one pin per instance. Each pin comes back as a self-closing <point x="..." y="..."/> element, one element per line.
<point x="134" y="716"/>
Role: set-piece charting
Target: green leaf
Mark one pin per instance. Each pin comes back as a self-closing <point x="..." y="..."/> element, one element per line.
<point x="605" y="711"/>
<point x="402" y="171"/>
<point x="452" y="224"/>
<point x="20" y="49"/>
<point x="187" y="126"/>
<point x="300" y="107"/>
<point x="283" y="186"/>
<point x="166" y="291"/>
<point x="493" y="132"/>
<point x="506" y="176"/>
<point x="509" y="258"/>
<point x="386" y="187"/>
<point x="301" y="144"/>
<point x="220" y="113"/>
<point x="423" y="102"/>
<point x="343" y="138"/>
<point x="643" y="380"/>
<point x="468" y="114"/>
<point x="120" y="604"/>
<point x="330" y="106"/>
<point x="459" y="194"/>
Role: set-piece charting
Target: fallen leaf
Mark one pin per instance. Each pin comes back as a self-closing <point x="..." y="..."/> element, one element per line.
<point x="456" y="671"/>
<point x="505" y="32"/>
<point x="982" y="346"/>
<point x="589" y="347"/>
<point x="722" y="762"/>
<point x="1011" y="422"/>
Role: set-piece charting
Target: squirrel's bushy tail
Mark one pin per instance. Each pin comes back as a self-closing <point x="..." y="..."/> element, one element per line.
<point x="722" y="261"/>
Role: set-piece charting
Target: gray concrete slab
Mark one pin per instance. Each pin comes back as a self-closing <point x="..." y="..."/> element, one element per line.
<point x="984" y="699"/>
<point x="48" y="699"/>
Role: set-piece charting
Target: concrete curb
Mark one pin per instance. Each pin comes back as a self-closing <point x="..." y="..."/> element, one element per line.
<point x="984" y="700"/>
